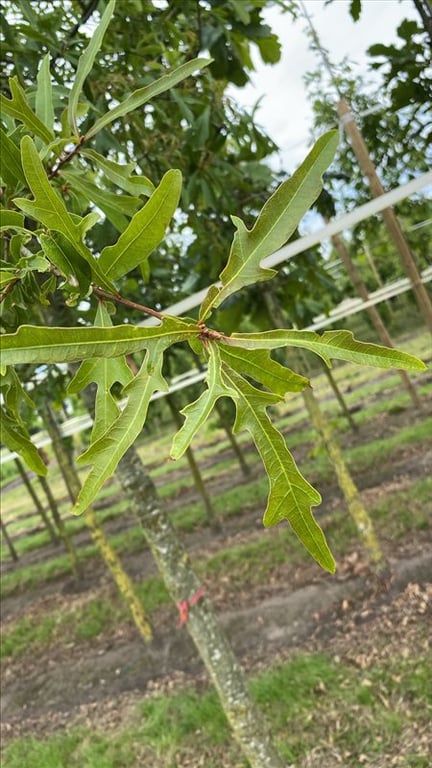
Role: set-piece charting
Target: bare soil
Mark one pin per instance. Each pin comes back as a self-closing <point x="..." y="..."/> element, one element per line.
<point x="348" y="614"/>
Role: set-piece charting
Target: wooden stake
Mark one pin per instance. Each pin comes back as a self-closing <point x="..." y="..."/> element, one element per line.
<point x="393" y="227"/>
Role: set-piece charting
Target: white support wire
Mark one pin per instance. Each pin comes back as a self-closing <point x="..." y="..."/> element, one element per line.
<point x="347" y="221"/>
<point x="343" y="310"/>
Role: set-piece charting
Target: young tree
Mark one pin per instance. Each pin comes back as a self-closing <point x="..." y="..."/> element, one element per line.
<point x="50" y="258"/>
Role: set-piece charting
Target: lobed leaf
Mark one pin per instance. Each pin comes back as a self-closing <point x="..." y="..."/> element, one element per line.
<point x="197" y="413"/>
<point x="340" y="345"/>
<point x="48" y="208"/>
<point x="274" y="225"/>
<point x="40" y="344"/>
<point x="115" y="207"/>
<point x="145" y="231"/>
<point x="11" y="170"/>
<point x="143" y="95"/>
<point x="107" y="451"/>
<point x="104" y="373"/>
<point x="290" y="495"/>
<point x="121" y="175"/>
<point x="258" y="365"/>
<point x="19" y="108"/>
<point x="15" y="436"/>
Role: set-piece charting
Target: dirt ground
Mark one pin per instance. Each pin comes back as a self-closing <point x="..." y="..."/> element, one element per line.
<point x="348" y="614"/>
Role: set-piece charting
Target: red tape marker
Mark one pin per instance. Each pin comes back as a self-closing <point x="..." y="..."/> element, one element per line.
<point x="184" y="605"/>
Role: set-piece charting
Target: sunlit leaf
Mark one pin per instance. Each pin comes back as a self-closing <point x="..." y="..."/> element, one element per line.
<point x="340" y="345"/>
<point x="15" y="436"/>
<point x="290" y="495"/>
<point x="275" y="224"/>
<point x="49" y="209"/>
<point x="197" y="413"/>
<point x="258" y="365"/>
<point x="117" y="208"/>
<point x="104" y="372"/>
<point x="107" y="451"/>
<point x="11" y="170"/>
<point x="39" y="344"/>
<point x="62" y="254"/>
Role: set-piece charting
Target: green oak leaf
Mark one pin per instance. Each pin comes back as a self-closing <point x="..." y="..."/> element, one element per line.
<point x="120" y="174"/>
<point x="143" y="95"/>
<point x="85" y="65"/>
<point x="44" y="97"/>
<point x="11" y="170"/>
<point x="42" y="344"/>
<point x="197" y="413"/>
<point x="11" y="220"/>
<point x="48" y="208"/>
<point x="61" y="253"/>
<point x="258" y="365"/>
<point x="107" y="451"/>
<point x="340" y="345"/>
<point x="19" y="108"/>
<point x="14" y="434"/>
<point x="104" y="373"/>
<point x="145" y="230"/>
<point x="274" y="225"/>
<point x="290" y="495"/>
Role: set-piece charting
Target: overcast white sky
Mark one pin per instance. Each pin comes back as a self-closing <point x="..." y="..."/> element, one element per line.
<point x="284" y="111"/>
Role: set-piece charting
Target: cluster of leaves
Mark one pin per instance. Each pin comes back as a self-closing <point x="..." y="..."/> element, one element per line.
<point x="48" y="240"/>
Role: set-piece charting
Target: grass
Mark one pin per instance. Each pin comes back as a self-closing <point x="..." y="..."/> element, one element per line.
<point x="250" y="563"/>
<point x="311" y="699"/>
<point x="234" y="501"/>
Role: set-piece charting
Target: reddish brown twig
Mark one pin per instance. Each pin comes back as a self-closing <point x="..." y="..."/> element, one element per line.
<point x="126" y="302"/>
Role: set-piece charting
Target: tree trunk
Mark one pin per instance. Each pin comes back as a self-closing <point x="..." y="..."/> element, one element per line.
<point x="373" y="313"/>
<point x="109" y="555"/>
<point x="59" y="523"/>
<point x="346" y="484"/>
<point x="47" y="523"/>
<point x="8" y="540"/>
<point x="248" y="725"/>
<point x="244" y="466"/>
<point x="246" y="721"/>
<point x="339" y="397"/>
<point x="211" y="515"/>
<point x="333" y="384"/>
<point x="392" y="223"/>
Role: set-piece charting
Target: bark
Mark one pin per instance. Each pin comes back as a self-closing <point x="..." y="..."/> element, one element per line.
<point x="392" y="223"/>
<point x="63" y="460"/>
<point x="356" y="508"/>
<point x="247" y="723"/>
<point x="339" y="397"/>
<point x="211" y="515"/>
<point x="109" y="555"/>
<point x="244" y="466"/>
<point x="351" y="494"/>
<point x="60" y="525"/>
<point x="8" y="540"/>
<point x="373" y="313"/>
<point x="47" y="523"/>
